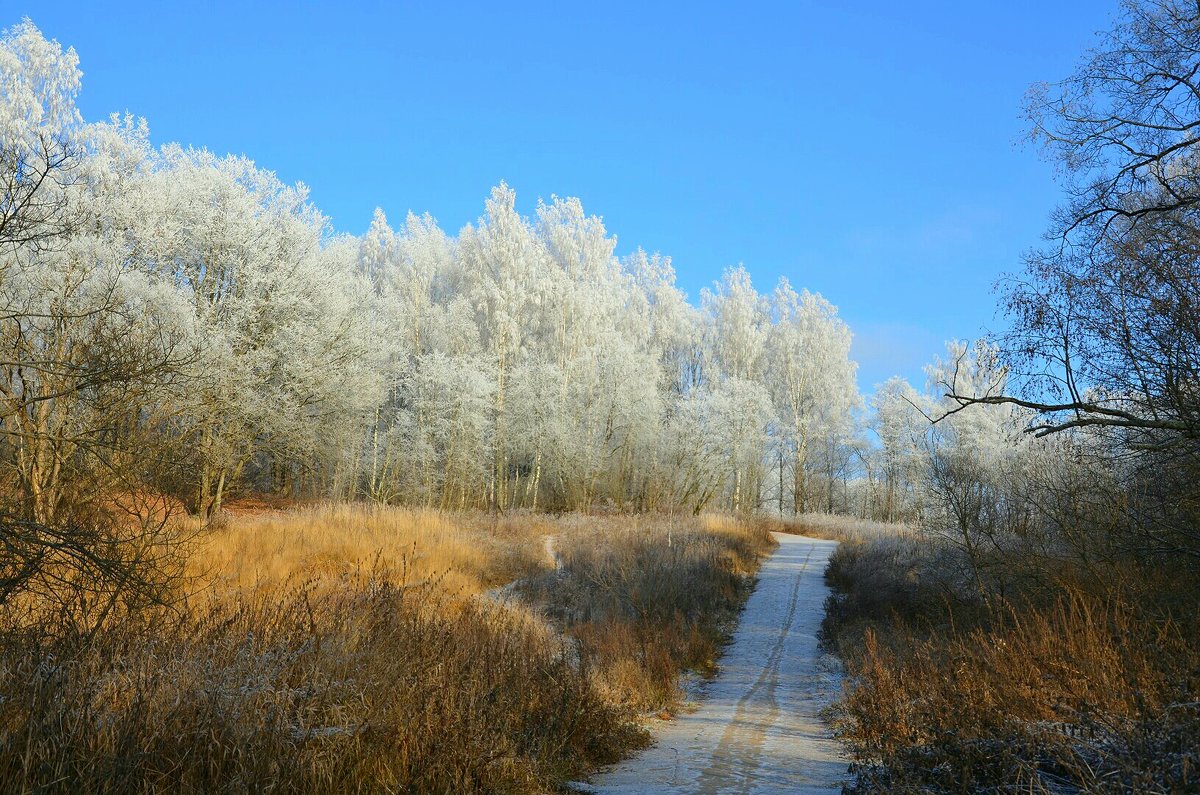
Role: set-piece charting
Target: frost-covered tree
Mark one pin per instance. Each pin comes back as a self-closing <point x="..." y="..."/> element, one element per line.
<point x="89" y="339"/>
<point x="41" y="142"/>
<point x="812" y="382"/>
<point x="276" y="309"/>
<point x="740" y="421"/>
<point x="91" y="347"/>
<point x="737" y="325"/>
<point x="88" y="345"/>
<point x="517" y="363"/>
<point x="672" y="326"/>
<point x="503" y="262"/>
<point x="899" y="418"/>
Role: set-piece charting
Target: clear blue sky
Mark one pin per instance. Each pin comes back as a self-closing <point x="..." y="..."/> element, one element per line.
<point x="870" y="151"/>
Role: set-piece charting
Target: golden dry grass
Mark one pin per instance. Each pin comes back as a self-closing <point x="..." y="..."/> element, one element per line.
<point x="642" y="597"/>
<point x="368" y="688"/>
<point x="352" y="648"/>
<point x="465" y="554"/>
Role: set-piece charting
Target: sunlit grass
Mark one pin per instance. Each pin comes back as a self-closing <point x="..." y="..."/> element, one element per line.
<point x="356" y="648"/>
<point x="465" y="554"/>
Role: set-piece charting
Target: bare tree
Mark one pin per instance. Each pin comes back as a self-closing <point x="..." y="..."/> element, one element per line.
<point x="34" y="180"/>
<point x="1105" y="338"/>
<point x="1107" y="317"/>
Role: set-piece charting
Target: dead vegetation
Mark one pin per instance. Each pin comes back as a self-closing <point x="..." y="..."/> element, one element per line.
<point x="348" y="648"/>
<point x="1066" y="682"/>
<point x="655" y="597"/>
<point x="466" y="553"/>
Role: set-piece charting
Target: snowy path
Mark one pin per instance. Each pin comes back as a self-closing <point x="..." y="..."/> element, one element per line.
<point x="757" y="729"/>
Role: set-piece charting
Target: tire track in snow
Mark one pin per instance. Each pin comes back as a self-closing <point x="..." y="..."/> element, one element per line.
<point x="740" y="749"/>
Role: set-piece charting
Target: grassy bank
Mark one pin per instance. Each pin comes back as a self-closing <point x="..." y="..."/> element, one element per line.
<point x="346" y="648"/>
<point x="1044" y="675"/>
<point x="647" y="598"/>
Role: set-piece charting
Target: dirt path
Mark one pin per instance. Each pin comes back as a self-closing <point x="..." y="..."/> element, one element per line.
<point x="757" y="729"/>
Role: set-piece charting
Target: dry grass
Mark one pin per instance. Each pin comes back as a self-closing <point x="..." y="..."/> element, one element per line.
<point x="835" y="527"/>
<point x="647" y="598"/>
<point x="373" y="687"/>
<point x="465" y="553"/>
<point x="1064" y="687"/>
<point x="352" y="649"/>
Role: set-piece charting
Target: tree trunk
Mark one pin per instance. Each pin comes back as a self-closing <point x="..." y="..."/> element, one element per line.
<point x="781" y="483"/>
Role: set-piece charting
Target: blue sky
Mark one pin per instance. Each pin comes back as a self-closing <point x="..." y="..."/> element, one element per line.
<point x="869" y="151"/>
